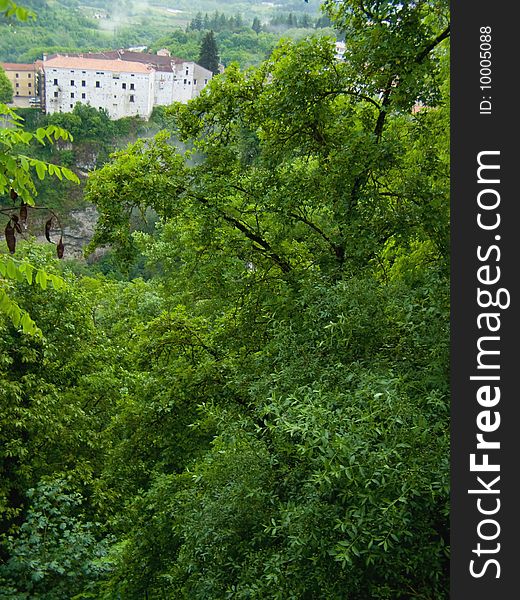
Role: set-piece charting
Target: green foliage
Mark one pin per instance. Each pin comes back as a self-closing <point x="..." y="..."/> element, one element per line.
<point x="131" y="23"/>
<point x="6" y="89"/>
<point x="306" y="236"/>
<point x="85" y="123"/>
<point x="243" y="45"/>
<point x="17" y="172"/>
<point x="55" y="553"/>
<point x="93" y="137"/>
<point x="57" y="394"/>
<point x="11" y="270"/>
<point x="256" y="26"/>
<point x="11" y="9"/>
<point x="268" y="415"/>
<point x="16" y="169"/>
<point x="208" y="55"/>
<point x="20" y="40"/>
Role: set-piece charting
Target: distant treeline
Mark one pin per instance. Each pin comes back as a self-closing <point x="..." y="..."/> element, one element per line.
<point x="221" y="22"/>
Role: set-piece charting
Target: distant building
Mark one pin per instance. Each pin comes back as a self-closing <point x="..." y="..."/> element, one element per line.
<point x="340" y="50"/>
<point x="123" y="82"/>
<point x="121" y="88"/>
<point x="23" y="78"/>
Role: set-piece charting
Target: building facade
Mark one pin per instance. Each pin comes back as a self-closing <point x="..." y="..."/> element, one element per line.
<point x="23" y="78"/>
<point x="122" y="88"/>
<point x="123" y="82"/>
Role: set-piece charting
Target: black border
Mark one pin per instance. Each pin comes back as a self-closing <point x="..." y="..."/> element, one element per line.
<point x="471" y="133"/>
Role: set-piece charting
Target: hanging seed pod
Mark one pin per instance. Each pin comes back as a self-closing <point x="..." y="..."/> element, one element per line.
<point x="10" y="237"/>
<point x="13" y="194"/>
<point x="48" y="227"/>
<point x="23" y="215"/>
<point x="16" y="224"/>
<point x="60" y="248"/>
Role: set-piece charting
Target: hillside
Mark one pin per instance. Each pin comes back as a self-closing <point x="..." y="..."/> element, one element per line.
<point x="95" y="25"/>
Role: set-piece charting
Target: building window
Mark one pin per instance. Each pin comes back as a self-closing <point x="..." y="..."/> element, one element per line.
<point x="187" y="72"/>
<point x="17" y="75"/>
<point x="55" y="82"/>
<point x="185" y="81"/>
<point x="72" y="82"/>
<point x="72" y="105"/>
<point x="194" y="82"/>
<point x="132" y="98"/>
<point x="72" y="94"/>
<point x="205" y="81"/>
<point x="98" y="84"/>
<point x="29" y="75"/>
<point x="123" y="85"/>
<point x="83" y="83"/>
<point x="29" y="84"/>
<point x="17" y="85"/>
<point x="132" y="86"/>
<point x="55" y="94"/>
<point x="83" y="96"/>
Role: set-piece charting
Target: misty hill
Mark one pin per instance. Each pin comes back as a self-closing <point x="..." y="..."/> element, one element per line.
<point x="103" y="24"/>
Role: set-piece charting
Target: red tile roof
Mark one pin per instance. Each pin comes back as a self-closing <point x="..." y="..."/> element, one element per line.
<point x="17" y="67"/>
<point x="95" y="64"/>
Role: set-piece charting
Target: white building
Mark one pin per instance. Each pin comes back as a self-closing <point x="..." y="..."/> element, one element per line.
<point x="122" y="88"/>
<point x="123" y="82"/>
<point x="340" y="50"/>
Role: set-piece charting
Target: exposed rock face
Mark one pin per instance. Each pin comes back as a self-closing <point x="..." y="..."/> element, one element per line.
<point x="77" y="233"/>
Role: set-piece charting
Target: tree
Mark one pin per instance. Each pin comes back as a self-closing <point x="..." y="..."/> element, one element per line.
<point x="305" y="236"/>
<point x="208" y="55"/>
<point x="256" y="26"/>
<point x="197" y="22"/>
<point x="86" y="123"/>
<point x="55" y="398"/>
<point x="6" y="89"/>
<point x="238" y="21"/>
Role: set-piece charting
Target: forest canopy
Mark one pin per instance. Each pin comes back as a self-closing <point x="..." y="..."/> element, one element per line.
<point x="266" y="414"/>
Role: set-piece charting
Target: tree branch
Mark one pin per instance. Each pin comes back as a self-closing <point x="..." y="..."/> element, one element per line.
<point x="424" y="53"/>
<point x="352" y="93"/>
<point x="263" y="244"/>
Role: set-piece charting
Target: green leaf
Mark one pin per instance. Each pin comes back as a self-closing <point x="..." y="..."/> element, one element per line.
<point x="40" y="169"/>
<point x="41" y="279"/>
<point x="11" y="269"/>
<point x="70" y="175"/>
